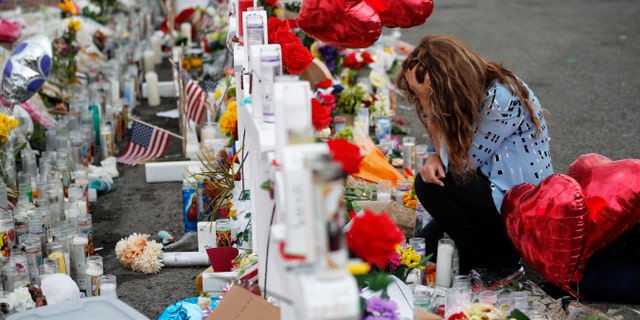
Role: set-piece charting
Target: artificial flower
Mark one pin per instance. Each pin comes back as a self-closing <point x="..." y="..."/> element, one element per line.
<point x="347" y="154"/>
<point x="138" y="253"/>
<point x="320" y="115"/>
<point x="373" y="237"/>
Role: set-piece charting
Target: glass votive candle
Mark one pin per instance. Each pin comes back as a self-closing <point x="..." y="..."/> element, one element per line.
<point x="402" y="187"/>
<point x="409" y="153"/>
<point x="456" y="299"/>
<point x="340" y="123"/>
<point x="108" y="285"/>
<point x="383" y="190"/>
<point x="505" y="299"/>
<point x="521" y="301"/>
<point x="488" y="297"/>
<point x="419" y="245"/>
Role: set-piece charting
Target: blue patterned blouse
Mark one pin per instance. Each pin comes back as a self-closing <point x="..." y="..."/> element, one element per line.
<point x="504" y="146"/>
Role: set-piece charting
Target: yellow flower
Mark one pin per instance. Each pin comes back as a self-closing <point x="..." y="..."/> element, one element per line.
<point x="74" y="25"/>
<point x="217" y="94"/>
<point x="358" y="268"/>
<point x="7" y="124"/>
<point x="229" y="120"/>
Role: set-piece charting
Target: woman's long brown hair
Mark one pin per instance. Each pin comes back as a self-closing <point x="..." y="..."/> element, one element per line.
<point x="459" y="79"/>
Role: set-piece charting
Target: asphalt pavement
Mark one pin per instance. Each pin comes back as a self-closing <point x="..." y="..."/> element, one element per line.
<point x="581" y="58"/>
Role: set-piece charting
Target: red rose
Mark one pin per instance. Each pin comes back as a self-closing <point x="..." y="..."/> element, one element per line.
<point x="373" y="237"/>
<point x="271" y="3"/>
<point x="320" y="115"/>
<point x="366" y="58"/>
<point x="295" y="56"/>
<point x="328" y="100"/>
<point x="324" y="84"/>
<point x="347" y="154"/>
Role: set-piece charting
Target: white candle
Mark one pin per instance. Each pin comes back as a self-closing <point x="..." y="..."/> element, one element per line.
<point x="108" y="290"/>
<point x="185" y="31"/>
<point x="153" y="95"/>
<point x="156" y="46"/>
<point x="149" y="60"/>
<point x="444" y="262"/>
<point x="115" y="92"/>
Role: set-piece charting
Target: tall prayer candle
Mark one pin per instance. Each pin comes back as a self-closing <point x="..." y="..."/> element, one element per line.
<point x="153" y="95"/>
<point x="444" y="262"/>
<point x="185" y="31"/>
<point x="156" y="46"/>
<point x="149" y="60"/>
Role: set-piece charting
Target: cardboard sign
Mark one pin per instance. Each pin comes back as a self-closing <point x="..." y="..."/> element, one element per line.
<point x="240" y="304"/>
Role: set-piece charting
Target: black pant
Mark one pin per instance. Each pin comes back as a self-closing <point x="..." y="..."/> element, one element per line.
<point x="467" y="213"/>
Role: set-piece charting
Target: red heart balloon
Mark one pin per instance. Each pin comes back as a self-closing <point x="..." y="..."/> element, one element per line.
<point x="342" y="23"/>
<point x="406" y="13"/>
<point x="612" y="193"/>
<point x="548" y="226"/>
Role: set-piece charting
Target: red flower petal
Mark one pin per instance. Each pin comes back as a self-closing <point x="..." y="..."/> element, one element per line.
<point x="373" y="237"/>
<point x="347" y="154"/>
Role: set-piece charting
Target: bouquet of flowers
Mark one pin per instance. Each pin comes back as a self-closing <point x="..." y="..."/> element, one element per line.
<point x="65" y="49"/>
<point x="7" y="150"/>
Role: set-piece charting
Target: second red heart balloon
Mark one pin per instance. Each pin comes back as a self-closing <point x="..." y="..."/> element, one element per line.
<point x="342" y="23"/>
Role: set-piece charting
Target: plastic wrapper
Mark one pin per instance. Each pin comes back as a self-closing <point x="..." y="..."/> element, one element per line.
<point x="186" y="309"/>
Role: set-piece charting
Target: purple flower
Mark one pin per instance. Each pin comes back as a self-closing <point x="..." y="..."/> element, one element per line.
<point x="380" y="309"/>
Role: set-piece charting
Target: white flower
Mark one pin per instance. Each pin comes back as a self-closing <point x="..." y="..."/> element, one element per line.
<point x="140" y="254"/>
<point x="20" y="299"/>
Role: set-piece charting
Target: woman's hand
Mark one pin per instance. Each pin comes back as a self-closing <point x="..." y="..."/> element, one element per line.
<point x="433" y="171"/>
<point x="421" y="89"/>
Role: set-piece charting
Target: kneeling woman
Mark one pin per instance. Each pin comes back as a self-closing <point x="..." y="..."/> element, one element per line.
<point x="488" y="134"/>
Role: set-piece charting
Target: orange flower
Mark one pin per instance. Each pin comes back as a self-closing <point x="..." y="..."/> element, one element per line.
<point x="70" y="7"/>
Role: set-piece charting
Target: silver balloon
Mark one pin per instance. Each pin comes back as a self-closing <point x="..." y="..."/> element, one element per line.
<point x="27" y="69"/>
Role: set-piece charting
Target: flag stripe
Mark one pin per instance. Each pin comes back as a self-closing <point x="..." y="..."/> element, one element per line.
<point x="136" y="152"/>
<point x="195" y="105"/>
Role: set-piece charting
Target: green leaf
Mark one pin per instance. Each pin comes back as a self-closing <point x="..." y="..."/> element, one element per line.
<point x="518" y="315"/>
<point x="265" y="185"/>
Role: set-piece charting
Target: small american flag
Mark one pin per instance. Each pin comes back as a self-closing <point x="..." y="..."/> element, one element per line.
<point x="195" y="101"/>
<point x="145" y="143"/>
